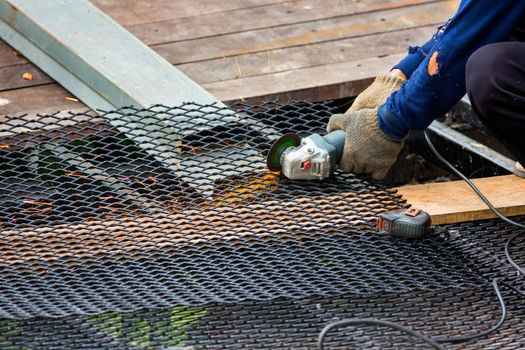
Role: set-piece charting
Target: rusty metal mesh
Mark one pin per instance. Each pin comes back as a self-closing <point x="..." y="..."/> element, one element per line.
<point x="161" y="228"/>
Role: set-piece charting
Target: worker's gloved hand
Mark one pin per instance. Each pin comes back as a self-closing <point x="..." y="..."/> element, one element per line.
<point x="377" y="93"/>
<point x="367" y="149"/>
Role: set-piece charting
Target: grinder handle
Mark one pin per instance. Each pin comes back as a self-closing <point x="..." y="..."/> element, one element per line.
<point x="337" y="139"/>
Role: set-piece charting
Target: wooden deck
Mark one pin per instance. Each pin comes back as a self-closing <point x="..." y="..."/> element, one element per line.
<point x="252" y="49"/>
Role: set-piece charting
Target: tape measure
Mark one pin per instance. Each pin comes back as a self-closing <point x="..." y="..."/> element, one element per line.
<point x="404" y="223"/>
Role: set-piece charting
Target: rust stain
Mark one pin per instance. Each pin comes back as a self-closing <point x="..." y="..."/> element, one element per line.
<point x="433" y="65"/>
<point x="12" y="17"/>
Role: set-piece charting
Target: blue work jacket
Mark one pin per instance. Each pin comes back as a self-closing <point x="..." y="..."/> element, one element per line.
<point x="436" y="70"/>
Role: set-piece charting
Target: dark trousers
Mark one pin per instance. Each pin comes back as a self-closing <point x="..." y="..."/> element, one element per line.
<point x="495" y="78"/>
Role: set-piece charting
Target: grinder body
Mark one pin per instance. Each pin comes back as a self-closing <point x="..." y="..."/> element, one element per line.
<point x="315" y="158"/>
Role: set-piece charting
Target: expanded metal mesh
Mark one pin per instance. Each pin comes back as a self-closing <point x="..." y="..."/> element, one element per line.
<point x="162" y="228"/>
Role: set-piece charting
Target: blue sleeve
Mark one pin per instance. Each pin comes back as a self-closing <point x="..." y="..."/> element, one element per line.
<point x="425" y="96"/>
<point x="416" y="55"/>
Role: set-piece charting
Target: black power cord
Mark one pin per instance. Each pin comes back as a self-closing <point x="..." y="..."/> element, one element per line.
<point x="375" y="322"/>
<point x="435" y="342"/>
<point x="484" y="199"/>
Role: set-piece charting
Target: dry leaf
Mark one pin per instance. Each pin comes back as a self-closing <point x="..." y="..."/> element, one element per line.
<point x="72" y="99"/>
<point x="27" y="76"/>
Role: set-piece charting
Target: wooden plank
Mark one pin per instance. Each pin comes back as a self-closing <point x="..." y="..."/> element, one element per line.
<point x="293" y="58"/>
<point x="313" y="83"/>
<point x="273" y="15"/>
<point x="267" y="16"/>
<point x="133" y="238"/>
<point x="11" y="77"/>
<point x="452" y="202"/>
<point x="131" y="12"/>
<point x="40" y="99"/>
<point x="280" y="60"/>
<point x="255" y="64"/>
<point x="9" y="56"/>
<point x="48" y="99"/>
<point x="302" y="33"/>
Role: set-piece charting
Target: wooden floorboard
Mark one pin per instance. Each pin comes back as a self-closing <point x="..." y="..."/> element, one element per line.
<point x="238" y="48"/>
<point x="13" y="77"/>
<point x="313" y="54"/>
<point x="9" y="56"/>
<point x="262" y="63"/>
<point x="230" y="22"/>
<point x="38" y="99"/>
<point x="293" y="58"/>
<point x="312" y="83"/>
<point x="301" y="34"/>
<point x="271" y="16"/>
<point x="130" y="12"/>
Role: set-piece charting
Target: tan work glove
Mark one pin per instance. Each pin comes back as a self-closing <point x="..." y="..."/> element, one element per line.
<point x="367" y="149"/>
<point x="377" y="93"/>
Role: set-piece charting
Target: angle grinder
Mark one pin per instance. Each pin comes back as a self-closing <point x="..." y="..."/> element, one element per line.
<point x="311" y="158"/>
<point x="315" y="158"/>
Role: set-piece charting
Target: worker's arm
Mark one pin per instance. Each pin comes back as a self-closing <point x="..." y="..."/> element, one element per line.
<point x="438" y="82"/>
<point x="416" y="54"/>
<point x="436" y="73"/>
<point x="384" y="85"/>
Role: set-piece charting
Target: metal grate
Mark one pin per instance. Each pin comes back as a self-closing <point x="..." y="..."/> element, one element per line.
<point x="161" y="227"/>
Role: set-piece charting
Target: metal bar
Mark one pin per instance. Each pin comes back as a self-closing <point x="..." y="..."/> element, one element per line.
<point x="96" y="59"/>
<point x="463" y="110"/>
<point x="107" y="67"/>
<point x="472" y="145"/>
<point x="100" y="53"/>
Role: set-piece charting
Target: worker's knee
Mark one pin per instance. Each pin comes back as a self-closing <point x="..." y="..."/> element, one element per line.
<point x="480" y="70"/>
<point x="490" y="75"/>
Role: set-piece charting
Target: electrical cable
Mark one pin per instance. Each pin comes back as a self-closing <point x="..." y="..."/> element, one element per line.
<point x="507" y="253"/>
<point x="484" y="199"/>
<point x="375" y="322"/>
<point x="434" y="342"/>
<point x="507" y="248"/>
<point x="462" y="338"/>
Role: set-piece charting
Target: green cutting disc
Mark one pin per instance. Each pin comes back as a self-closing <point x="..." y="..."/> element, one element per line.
<point x="273" y="160"/>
